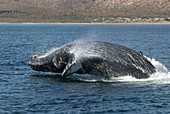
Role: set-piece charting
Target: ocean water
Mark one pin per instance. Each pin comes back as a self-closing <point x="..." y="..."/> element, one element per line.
<point x="23" y="90"/>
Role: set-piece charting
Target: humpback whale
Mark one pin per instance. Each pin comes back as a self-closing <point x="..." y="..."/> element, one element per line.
<point x="93" y="57"/>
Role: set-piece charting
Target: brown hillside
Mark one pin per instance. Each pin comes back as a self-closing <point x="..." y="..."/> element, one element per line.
<point x="50" y="10"/>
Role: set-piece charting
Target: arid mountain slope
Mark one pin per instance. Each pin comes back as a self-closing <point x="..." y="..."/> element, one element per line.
<point x="81" y="9"/>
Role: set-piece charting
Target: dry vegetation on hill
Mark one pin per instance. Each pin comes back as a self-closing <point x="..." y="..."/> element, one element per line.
<point x="84" y="10"/>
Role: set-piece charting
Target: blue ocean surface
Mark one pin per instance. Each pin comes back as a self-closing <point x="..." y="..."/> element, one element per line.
<point x="23" y="90"/>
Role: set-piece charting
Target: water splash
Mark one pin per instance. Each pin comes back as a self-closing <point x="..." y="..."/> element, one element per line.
<point x="83" y="49"/>
<point x="159" y="66"/>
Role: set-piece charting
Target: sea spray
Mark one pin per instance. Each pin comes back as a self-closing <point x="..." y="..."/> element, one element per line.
<point x="159" y="66"/>
<point x="44" y="54"/>
<point x="81" y="49"/>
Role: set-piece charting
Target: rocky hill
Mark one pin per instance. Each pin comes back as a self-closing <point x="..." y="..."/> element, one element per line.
<point x="84" y="10"/>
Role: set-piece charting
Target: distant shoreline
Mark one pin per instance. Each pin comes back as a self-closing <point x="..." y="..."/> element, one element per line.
<point x="105" y="20"/>
<point x="137" y="23"/>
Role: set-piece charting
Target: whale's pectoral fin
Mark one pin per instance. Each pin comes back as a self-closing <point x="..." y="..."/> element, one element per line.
<point x="72" y="66"/>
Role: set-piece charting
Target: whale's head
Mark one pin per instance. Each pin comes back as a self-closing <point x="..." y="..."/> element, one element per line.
<point x="41" y="63"/>
<point x="54" y="61"/>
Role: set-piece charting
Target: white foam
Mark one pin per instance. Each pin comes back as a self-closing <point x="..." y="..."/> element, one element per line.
<point x="159" y="66"/>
